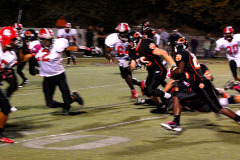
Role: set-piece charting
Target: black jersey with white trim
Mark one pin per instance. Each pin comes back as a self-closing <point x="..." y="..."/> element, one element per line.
<point x="144" y="55"/>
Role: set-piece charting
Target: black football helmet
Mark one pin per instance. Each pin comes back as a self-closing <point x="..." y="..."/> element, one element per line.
<point x="134" y="38"/>
<point x="30" y="35"/>
<point x="181" y="43"/>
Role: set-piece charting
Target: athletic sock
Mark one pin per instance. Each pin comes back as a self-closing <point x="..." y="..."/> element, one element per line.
<point x="176" y="119"/>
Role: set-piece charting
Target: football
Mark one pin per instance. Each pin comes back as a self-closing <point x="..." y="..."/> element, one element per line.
<point x="238" y="112"/>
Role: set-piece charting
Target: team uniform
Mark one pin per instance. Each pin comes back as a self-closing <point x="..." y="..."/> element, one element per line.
<point x="156" y="70"/>
<point x="51" y="69"/>
<point x="70" y="36"/>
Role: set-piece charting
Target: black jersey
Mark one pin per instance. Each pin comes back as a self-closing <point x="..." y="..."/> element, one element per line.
<point x="143" y="54"/>
<point x="192" y="67"/>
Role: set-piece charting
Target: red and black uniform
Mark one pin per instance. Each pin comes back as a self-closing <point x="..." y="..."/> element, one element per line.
<point x="156" y="70"/>
<point x="193" y="74"/>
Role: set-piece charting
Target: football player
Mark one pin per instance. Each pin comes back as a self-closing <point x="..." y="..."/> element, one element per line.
<point x="188" y="68"/>
<point x="70" y="35"/>
<point x="230" y="42"/>
<point x="8" y="58"/>
<point x="119" y="43"/>
<point x="145" y="52"/>
<point x="49" y="57"/>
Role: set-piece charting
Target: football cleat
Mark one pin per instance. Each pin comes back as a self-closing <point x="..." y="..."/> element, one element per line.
<point x="134" y="94"/>
<point x="6" y="140"/>
<point x="171" y="126"/>
<point x="23" y="83"/>
<point x="13" y="109"/>
<point x="77" y="98"/>
<point x="65" y="112"/>
<point x="229" y="85"/>
<point x="140" y="101"/>
<point x="142" y="87"/>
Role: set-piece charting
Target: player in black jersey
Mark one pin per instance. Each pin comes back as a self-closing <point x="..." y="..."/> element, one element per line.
<point x="145" y="52"/>
<point x="189" y="69"/>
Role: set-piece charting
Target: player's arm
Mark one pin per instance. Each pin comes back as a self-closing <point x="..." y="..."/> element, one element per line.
<point x="26" y="57"/>
<point x="107" y="54"/>
<point x="132" y="65"/>
<point x="165" y="55"/>
<point x="177" y="72"/>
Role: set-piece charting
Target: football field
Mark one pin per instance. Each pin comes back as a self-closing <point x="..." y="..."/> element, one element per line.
<point x="110" y="126"/>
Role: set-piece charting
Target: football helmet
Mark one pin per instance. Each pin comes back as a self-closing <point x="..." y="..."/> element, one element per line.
<point x="123" y="29"/>
<point x="228" y="33"/>
<point x="46" y="36"/>
<point x="181" y="43"/>
<point x="17" y="26"/>
<point x="134" y="38"/>
<point x="8" y="36"/>
<point x="145" y="26"/>
<point x="68" y="25"/>
<point x="30" y="35"/>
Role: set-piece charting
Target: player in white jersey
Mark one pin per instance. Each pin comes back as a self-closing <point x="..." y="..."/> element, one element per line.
<point x="119" y="43"/>
<point x="49" y="58"/>
<point x="8" y="37"/>
<point x="69" y="34"/>
<point x="230" y="43"/>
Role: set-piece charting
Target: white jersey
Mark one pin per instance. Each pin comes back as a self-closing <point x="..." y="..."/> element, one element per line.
<point x="50" y="61"/>
<point x="34" y="46"/>
<point x="70" y="36"/>
<point x="232" y="48"/>
<point x="7" y="59"/>
<point x="120" y="48"/>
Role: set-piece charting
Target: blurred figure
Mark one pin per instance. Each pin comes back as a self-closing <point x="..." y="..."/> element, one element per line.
<point x="194" y="44"/>
<point x="206" y="48"/>
<point x="60" y="23"/>
<point x="164" y="37"/>
<point x="172" y="39"/>
<point x="101" y="35"/>
<point x="69" y="34"/>
<point x="89" y="40"/>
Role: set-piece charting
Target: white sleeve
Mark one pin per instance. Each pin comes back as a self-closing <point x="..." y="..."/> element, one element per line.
<point x="61" y="44"/>
<point x="219" y="44"/>
<point x="158" y="37"/>
<point x="59" y="33"/>
<point x="109" y="41"/>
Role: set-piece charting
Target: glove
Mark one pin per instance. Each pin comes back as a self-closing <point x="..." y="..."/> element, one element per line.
<point x="97" y="50"/>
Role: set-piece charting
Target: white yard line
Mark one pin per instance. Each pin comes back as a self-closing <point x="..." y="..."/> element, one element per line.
<point x="90" y="129"/>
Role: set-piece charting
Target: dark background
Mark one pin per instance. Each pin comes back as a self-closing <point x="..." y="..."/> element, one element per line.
<point x="203" y="15"/>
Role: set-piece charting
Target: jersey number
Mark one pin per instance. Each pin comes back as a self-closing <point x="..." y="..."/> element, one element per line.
<point x="121" y="50"/>
<point x="143" y="60"/>
<point x="233" y="49"/>
<point x="43" y="58"/>
<point x="195" y="61"/>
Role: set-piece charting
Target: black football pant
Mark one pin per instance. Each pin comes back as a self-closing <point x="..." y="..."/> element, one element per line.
<point x="11" y="79"/>
<point x="20" y="67"/>
<point x="233" y="67"/>
<point x="69" y="57"/>
<point x="4" y="103"/>
<point x="49" y="86"/>
<point x="152" y="83"/>
<point x="206" y="91"/>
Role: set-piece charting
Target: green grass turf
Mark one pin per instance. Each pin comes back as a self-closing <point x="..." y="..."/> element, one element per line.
<point x="110" y="113"/>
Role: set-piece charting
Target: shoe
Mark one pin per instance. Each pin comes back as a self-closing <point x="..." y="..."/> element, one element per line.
<point x="134" y="94"/>
<point x="65" y="112"/>
<point x="77" y="98"/>
<point x="23" y="83"/>
<point x="229" y="85"/>
<point x="6" y="140"/>
<point x="74" y="63"/>
<point x="171" y="126"/>
<point x="13" y="109"/>
<point x="68" y="65"/>
<point x="142" y="86"/>
<point x="140" y="101"/>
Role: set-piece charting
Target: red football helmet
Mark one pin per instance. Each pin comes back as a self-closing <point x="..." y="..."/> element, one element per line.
<point x="228" y="33"/>
<point x="8" y="35"/>
<point x="123" y="29"/>
<point x="18" y="26"/>
<point x="45" y="33"/>
<point x="68" y="25"/>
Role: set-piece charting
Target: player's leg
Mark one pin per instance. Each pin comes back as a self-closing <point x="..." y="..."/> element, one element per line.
<point x="20" y="67"/>
<point x="68" y="53"/>
<point x="32" y="66"/>
<point x="12" y="81"/>
<point x="233" y="66"/>
<point x="127" y="76"/>
<point x="5" y="110"/>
